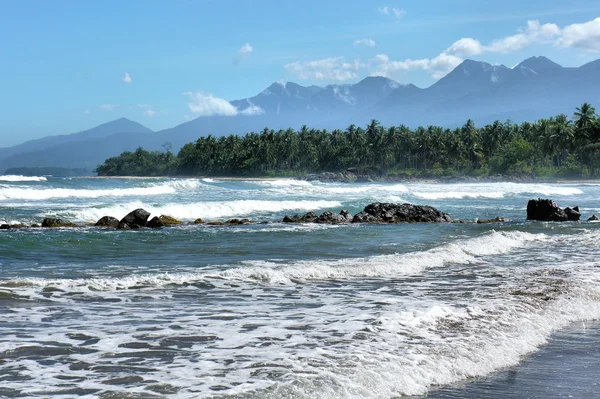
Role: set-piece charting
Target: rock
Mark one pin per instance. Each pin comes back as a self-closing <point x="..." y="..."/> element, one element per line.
<point x="400" y="213"/>
<point x="107" y="221"/>
<point x="309" y="217"/>
<point x="199" y="221"/>
<point x="497" y="219"/>
<point x="238" y="221"/>
<point x="332" y="218"/>
<point x="163" y="220"/>
<point x="215" y="223"/>
<point x="55" y="222"/>
<point x="593" y="218"/>
<point x="35" y="225"/>
<point x="138" y="218"/>
<point x="4" y="226"/>
<point x="547" y="210"/>
<point x="573" y="214"/>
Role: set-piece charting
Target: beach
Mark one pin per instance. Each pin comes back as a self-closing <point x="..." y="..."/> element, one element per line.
<point x="269" y="309"/>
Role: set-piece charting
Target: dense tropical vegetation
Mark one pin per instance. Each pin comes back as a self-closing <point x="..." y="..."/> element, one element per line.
<point x="557" y="146"/>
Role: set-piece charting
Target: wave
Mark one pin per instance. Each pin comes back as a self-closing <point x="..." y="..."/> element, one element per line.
<point x="281" y="183"/>
<point x="206" y="210"/>
<point x="492" y="191"/>
<point x="17" y="178"/>
<point x="37" y="194"/>
<point x="464" y="251"/>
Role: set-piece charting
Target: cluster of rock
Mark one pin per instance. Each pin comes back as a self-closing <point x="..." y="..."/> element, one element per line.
<point x="547" y="210"/>
<point x="376" y="213"/>
<point x="540" y="209"/>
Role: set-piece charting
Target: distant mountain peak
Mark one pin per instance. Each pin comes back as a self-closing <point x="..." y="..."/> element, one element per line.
<point x="537" y="65"/>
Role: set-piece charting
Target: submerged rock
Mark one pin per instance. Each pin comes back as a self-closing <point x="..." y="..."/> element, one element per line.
<point x="199" y="221"/>
<point x="134" y="219"/>
<point x="55" y="222"/>
<point x="163" y="220"/>
<point x="497" y="219"/>
<point x="238" y="221"/>
<point x="107" y="221"/>
<point x="593" y="218"/>
<point x="548" y="211"/>
<point x="400" y="213"/>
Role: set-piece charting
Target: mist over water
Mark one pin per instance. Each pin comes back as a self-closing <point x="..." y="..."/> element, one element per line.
<point x="277" y="310"/>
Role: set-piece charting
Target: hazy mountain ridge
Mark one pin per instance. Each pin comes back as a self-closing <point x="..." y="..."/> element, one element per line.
<point x="535" y="88"/>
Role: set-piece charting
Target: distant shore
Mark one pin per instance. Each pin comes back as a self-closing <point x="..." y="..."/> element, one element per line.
<point x="446" y="180"/>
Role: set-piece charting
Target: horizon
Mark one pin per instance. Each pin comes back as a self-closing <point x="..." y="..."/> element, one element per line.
<point x="157" y="75"/>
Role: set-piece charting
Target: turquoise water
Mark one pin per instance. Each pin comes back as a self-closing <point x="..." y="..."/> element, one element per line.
<point x="272" y="310"/>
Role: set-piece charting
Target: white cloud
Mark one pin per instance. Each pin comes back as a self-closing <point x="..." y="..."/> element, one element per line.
<point x="381" y="65"/>
<point x="127" y="78"/>
<point x="243" y="52"/>
<point x="334" y="68"/>
<point x="205" y="104"/>
<point x="533" y="33"/>
<point x="395" y="11"/>
<point x="108" y="107"/>
<point x="364" y="42"/>
<point x="584" y="36"/>
<point x="465" y="47"/>
<point x="150" y="113"/>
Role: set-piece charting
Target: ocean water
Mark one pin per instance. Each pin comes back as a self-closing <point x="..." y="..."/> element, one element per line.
<point x="272" y="310"/>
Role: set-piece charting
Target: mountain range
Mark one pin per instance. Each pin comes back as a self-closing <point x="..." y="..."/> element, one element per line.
<point x="536" y="88"/>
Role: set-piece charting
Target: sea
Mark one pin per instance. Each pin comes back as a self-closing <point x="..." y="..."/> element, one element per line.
<point x="275" y="310"/>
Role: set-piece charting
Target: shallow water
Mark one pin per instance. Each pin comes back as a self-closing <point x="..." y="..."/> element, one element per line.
<point x="277" y="310"/>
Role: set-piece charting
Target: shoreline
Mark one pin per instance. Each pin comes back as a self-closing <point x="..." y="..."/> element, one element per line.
<point x="461" y="180"/>
<point x="568" y="365"/>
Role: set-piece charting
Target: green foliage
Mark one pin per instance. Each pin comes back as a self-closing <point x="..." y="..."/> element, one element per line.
<point x="555" y="147"/>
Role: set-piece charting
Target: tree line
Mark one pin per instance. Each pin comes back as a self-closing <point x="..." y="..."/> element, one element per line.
<point x="557" y="146"/>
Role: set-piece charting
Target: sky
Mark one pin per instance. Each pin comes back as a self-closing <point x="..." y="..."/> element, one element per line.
<point x="67" y="66"/>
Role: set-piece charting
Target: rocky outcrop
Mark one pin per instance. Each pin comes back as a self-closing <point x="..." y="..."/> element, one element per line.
<point x="593" y="218"/>
<point x="107" y="221"/>
<point x="6" y="226"/>
<point x="199" y="221"/>
<point x="376" y="213"/>
<point x="497" y="219"/>
<point x="134" y="220"/>
<point x="400" y="213"/>
<point x="309" y="217"/>
<point x="162" y="221"/>
<point x="55" y="222"/>
<point x="237" y="222"/>
<point x="573" y="214"/>
<point x="548" y="211"/>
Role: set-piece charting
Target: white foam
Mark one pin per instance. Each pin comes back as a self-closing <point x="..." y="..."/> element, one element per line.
<point x="490" y="190"/>
<point x="17" y="178"/>
<point x="460" y="252"/>
<point x="206" y="210"/>
<point x="37" y="194"/>
<point x="281" y="183"/>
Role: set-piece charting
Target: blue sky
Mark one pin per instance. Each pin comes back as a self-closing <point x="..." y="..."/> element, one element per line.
<point x="71" y="65"/>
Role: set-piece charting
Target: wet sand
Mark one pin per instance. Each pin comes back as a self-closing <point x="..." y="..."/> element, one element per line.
<point x="567" y="367"/>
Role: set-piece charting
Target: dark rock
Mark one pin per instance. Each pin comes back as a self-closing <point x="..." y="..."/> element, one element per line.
<point x="4" y="226"/>
<point x="163" y="220"/>
<point x="573" y="214"/>
<point x="238" y="221"/>
<point x="593" y="218"/>
<point x="400" y="213"/>
<point x="309" y="217"/>
<point x="138" y="217"/>
<point x="198" y="221"/>
<point x="123" y="226"/>
<point x="154" y="223"/>
<point x="547" y="210"/>
<point x="332" y="218"/>
<point x="215" y="223"/>
<point x="497" y="219"/>
<point x="107" y="221"/>
<point x="35" y="225"/>
<point x="55" y="222"/>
